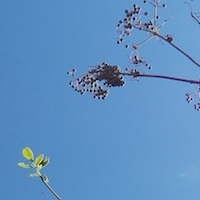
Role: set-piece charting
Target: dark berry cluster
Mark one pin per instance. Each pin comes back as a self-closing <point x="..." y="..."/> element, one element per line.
<point x="132" y="72"/>
<point x="136" y="18"/>
<point x="133" y="19"/>
<point x="191" y="96"/>
<point x="137" y="60"/>
<point x="197" y="106"/>
<point x="108" y="75"/>
<point x="126" y="25"/>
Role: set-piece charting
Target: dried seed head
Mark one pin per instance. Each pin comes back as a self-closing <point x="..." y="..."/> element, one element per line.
<point x="104" y="74"/>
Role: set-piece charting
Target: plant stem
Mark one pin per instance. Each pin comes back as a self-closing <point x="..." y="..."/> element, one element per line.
<point x="177" y="48"/>
<point x="136" y="74"/>
<point x="170" y="78"/>
<point x="155" y="33"/>
<point x="43" y="178"/>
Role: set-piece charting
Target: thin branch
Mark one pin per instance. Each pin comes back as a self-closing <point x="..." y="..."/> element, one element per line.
<point x="169" y="42"/>
<point x="136" y="74"/>
<point x="192" y="13"/>
<point x="177" y="48"/>
<point x="43" y="178"/>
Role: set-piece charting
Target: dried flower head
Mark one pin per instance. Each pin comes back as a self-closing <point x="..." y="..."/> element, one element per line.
<point x="148" y="21"/>
<point x="102" y="76"/>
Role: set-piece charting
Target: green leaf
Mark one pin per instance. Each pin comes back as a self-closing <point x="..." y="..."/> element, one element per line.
<point x="39" y="167"/>
<point x="21" y="164"/>
<point x="39" y="159"/>
<point x="28" y="154"/>
<point x="45" y="162"/>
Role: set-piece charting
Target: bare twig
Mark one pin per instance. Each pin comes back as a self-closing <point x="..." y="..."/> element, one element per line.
<point x="172" y="44"/>
<point x="193" y="15"/>
<point x="43" y="178"/>
<point x="179" y="49"/>
<point x="137" y="74"/>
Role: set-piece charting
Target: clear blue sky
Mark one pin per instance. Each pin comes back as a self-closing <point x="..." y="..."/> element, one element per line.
<point x="142" y="142"/>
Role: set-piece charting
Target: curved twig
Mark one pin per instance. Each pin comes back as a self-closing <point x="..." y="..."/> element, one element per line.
<point x="192" y="13"/>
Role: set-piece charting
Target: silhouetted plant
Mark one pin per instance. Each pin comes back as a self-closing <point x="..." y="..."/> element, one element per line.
<point x="102" y="77"/>
<point x="38" y="163"/>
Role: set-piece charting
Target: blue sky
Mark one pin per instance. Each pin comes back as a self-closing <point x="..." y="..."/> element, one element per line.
<point x="142" y="142"/>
